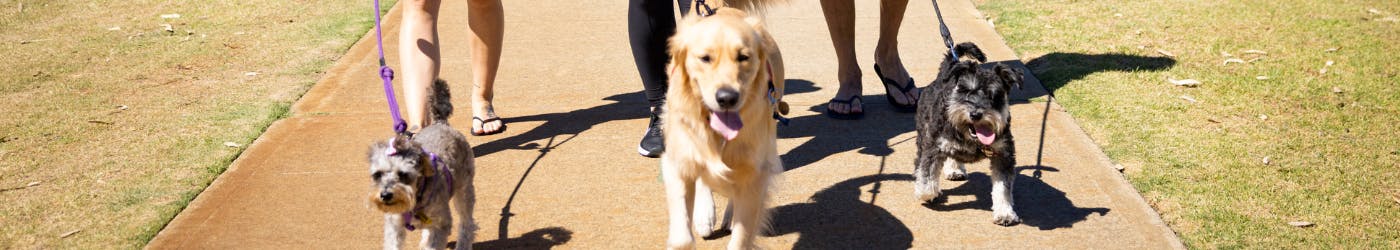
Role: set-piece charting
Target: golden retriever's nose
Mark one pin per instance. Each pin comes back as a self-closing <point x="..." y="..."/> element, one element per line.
<point x="727" y="97"/>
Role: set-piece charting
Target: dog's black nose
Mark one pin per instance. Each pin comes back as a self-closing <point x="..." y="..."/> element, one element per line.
<point x="975" y="115"/>
<point x="386" y="196"/>
<point x="727" y="97"/>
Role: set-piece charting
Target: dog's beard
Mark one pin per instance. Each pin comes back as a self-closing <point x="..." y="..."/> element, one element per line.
<point x="984" y="131"/>
<point x="404" y="199"/>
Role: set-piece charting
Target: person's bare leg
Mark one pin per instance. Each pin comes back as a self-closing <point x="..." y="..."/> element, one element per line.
<point x="418" y="51"/>
<point x="841" y="24"/>
<point x="486" y="21"/>
<point x="887" y="49"/>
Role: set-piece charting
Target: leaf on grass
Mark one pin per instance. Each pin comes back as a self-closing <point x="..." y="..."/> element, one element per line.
<point x="69" y="233"/>
<point x="1332" y="49"/>
<point x="1255" y="51"/>
<point x="32" y="184"/>
<point x="1119" y="167"/>
<point x="1300" y="223"/>
<point x="232" y="144"/>
<point x="1374" y="11"/>
<point x="1212" y="120"/>
<point x="1264" y="117"/>
<point x="1232" y="60"/>
<point x="1330" y="63"/>
<point x="1188" y="98"/>
<point x="1266" y="160"/>
<point x="1117" y="14"/>
<point x="1165" y="53"/>
<point x="115" y="28"/>
<point x="170" y="16"/>
<point x="1261" y="78"/>
<point x="1185" y="82"/>
<point x="99" y="122"/>
<point x="1226" y="54"/>
<point x="1336" y="90"/>
<point x="250" y="73"/>
<point x="167" y="27"/>
<point x="122" y="107"/>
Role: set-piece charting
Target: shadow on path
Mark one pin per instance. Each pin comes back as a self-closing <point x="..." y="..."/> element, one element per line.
<point x="870" y="134"/>
<point x="1039" y="204"/>
<point x="544" y="238"/>
<point x="836" y="218"/>
<point x="624" y="107"/>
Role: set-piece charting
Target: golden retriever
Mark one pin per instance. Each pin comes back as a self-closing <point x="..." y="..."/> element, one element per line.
<point x="720" y="129"/>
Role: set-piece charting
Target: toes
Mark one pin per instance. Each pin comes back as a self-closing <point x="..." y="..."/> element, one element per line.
<point x="837" y="107"/>
<point x="1005" y="218"/>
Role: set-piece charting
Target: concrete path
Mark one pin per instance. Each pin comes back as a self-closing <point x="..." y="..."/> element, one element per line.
<point x="567" y="174"/>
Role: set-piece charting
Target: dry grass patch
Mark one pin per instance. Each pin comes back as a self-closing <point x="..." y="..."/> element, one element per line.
<point x="122" y="120"/>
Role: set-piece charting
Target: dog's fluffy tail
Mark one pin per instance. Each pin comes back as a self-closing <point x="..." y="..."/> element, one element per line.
<point x="441" y="101"/>
<point x="966" y="50"/>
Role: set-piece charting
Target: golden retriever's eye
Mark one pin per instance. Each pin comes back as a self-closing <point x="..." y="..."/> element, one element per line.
<point x="742" y="57"/>
<point x="705" y="58"/>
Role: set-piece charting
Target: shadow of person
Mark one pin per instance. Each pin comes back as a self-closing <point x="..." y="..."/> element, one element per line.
<point x="1039" y="204"/>
<point x="870" y="134"/>
<point x="836" y="218"/>
<point x="544" y="238"/>
<point x="1055" y="70"/>
<point x="625" y="106"/>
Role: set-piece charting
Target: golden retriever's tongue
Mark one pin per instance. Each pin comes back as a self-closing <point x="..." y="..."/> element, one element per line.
<point x="726" y="124"/>
<point x="985" y="134"/>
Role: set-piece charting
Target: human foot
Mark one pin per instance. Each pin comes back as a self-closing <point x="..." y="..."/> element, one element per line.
<point x="486" y="122"/>
<point x="847" y="105"/>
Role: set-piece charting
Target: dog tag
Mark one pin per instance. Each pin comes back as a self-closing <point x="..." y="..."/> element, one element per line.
<point x="423" y="218"/>
<point x="782" y="108"/>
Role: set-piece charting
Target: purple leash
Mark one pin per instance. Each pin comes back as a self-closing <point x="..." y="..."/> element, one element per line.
<point x="387" y="74"/>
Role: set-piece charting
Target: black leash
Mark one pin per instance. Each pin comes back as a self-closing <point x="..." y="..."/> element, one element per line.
<point x="943" y="28"/>
<point x="704" y="9"/>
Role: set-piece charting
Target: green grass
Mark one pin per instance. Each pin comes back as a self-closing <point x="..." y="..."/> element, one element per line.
<point x="1332" y="155"/>
<point x="120" y="174"/>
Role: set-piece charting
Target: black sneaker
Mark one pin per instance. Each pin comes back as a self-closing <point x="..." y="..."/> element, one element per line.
<point x="652" y="143"/>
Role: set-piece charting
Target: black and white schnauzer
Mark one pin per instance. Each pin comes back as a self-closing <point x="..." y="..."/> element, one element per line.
<point x="964" y="117"/>
<point x="415" y="176"/>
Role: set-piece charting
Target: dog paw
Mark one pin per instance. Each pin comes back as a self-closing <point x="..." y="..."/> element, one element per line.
<point x="954" y="171"/>
<point x="926" y="193"/>
<point x="1005" y="217"/>
<point x="680" y="244"/>
<point x="955" y="176"/>
<point x="704" y="229"/>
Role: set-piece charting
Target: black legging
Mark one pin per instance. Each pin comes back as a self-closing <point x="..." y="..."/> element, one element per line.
<point x="649" y="24"/>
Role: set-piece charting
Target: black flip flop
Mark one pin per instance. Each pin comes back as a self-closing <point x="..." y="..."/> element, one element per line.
<point x="849" y="103"/>
<point x="483" y="125"/>
<point x="903" y="89"/>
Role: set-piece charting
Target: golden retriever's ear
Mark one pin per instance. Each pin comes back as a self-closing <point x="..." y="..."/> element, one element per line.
<point x="675" y="70"/>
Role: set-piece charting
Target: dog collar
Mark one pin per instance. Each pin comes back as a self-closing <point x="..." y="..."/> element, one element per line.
<point x="423" y="186"/>
<point x="780" y="107"/>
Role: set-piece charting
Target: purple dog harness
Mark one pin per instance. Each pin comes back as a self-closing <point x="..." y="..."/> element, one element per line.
<point x="424" y="196"/>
